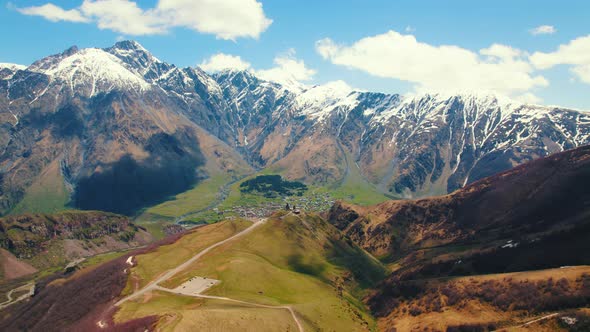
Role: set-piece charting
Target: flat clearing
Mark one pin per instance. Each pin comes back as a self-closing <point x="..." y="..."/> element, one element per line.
<point x="195" y="286"/>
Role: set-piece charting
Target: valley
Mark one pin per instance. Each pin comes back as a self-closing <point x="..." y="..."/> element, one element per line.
<point x="159" y="131"/>
<point x="136" y="195"/>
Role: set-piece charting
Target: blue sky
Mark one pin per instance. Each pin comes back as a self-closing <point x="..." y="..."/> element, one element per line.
<point x="388" y="46"/>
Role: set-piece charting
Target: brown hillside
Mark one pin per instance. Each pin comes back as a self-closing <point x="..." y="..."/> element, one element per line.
<point x="538" y="196"/>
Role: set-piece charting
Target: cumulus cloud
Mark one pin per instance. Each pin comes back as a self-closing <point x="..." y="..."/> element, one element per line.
<point x="54" y="13"/>
<point x="221" y="61"/>
<point x="123" y="16"/>
<point x="543" y="30"/>
<point x="446" y="68"/>
<point x="287" y="69"/>
<point x="576" y="54"/>
<point x="582" y="72"/>
<point x="528" y="98"/>
<point x="500" y="51"/>
<point x="226" y="19"/>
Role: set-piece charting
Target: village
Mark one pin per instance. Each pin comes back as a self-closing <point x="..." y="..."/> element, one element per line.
<point x="311" y="202"/>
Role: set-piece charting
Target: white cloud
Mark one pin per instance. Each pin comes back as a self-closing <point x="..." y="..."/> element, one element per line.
<point x="123" y="16"/>
<point x="54" y="13"/>
<point x="287" y="69"/>
<point x="226" y="19"/>
<point x="528" y="98"/>
<point x="221" y="61"/>
<point x="543" y="30"/>
<point x="500" y="51"/>
<point x="576" y="53"/>
<point x="410" y="28"/>
<point x="582" y="72"/>
<point x="446" y="68"/>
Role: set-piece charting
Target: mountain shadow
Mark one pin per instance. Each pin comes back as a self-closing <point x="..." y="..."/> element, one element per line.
<point x="128" y="185"/>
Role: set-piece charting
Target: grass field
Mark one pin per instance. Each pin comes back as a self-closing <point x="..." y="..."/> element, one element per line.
<point x="165" y="257"/>
<point x="355" y="188"/>
<point x="287" y="261"/>
<point x="198" y="198"/>
<point x="182" y="313"/>
<point x="201" y="199"/>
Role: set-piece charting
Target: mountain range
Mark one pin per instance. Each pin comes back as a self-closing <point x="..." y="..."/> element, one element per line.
<point x="117" y="129"/>
<point x="504" y="253"/>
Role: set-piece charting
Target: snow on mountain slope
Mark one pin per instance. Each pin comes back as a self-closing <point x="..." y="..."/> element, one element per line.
<point x="12" y="66"/>
<point x="90" y="71"/>
<point x="407" y="145"/>
<point x="7" y="70"/>
<point x="317" y="102"/>
<point x="411" y="145"/>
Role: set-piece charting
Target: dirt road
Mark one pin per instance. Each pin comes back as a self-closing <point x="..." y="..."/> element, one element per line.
<point x="154" y="284"/>
<point x="30" y="287"/>
<point x="299" y="325"/>
<point x="540" y="319"/>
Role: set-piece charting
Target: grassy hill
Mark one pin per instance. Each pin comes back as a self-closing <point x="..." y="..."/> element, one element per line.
<point x="298" y="261"/>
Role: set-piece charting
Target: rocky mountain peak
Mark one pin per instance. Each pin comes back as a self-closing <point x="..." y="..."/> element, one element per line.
<point x="130" y="45"/>
<point x="403" y="145"/>
<point x="139" y="60"/>
<point x="72" y="50"/>
<point x="7" y="70"/>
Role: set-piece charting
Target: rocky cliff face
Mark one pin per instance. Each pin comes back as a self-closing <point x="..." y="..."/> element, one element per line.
<point x="409" y="146"/>
<point x="98" y="117"/>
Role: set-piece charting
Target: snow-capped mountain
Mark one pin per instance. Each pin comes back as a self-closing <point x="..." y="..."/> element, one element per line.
<point x="406" y="145"/>
<point x="89" y="72"/>
<point x="83" y="115"/>
<point x="7" y="70"/>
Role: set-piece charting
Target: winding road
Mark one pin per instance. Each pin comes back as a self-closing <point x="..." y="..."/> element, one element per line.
<point x="154" y="284"/>
<point x="30" y="287"/>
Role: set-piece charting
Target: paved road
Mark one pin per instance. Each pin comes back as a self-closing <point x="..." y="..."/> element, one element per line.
<point x="154" y="284"/>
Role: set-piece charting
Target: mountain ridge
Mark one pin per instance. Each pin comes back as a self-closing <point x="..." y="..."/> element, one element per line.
<point x="96" y="106"/>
